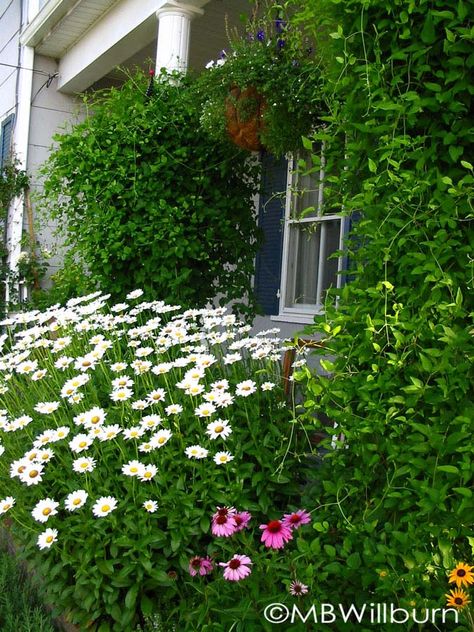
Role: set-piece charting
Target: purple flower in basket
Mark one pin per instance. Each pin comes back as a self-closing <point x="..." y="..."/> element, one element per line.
<point x="261" y="36"/>
<point x="280" y="44"/>
<point x="280" y="25"/>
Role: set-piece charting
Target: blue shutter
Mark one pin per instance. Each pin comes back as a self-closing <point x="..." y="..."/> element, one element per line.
<point x="6" y="139"/>
<point x="271" y="215"/>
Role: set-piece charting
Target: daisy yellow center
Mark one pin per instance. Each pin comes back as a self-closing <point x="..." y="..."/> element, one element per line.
<point x="69" y="391"/>
<point x="34" y="455"/>
<point x="6" y="506"/>
<point x="76" y="501"/>
<point x="161" y="440"/>
<point x="147" y="475"/>
<point x="49" y="539"/>
<point x="105" y="508"/>
<point x="245" y="388"/>
<point x="218" y="428"/>
<point x="75" y="383"/>
<point x="83" y="444"/>
<point x="223" y="458"/>
<point x="86" y="363"/>
<point x="33" y="473"/>
<point x="84" y="465"/>
<point x="46" y="511"/>
<point x="95" y="419"/>
<point x="21" y="469"/>
<point x="134" y="470"/>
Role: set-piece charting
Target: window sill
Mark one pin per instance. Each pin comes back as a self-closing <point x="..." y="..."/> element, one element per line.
<point x="307" y="319"/>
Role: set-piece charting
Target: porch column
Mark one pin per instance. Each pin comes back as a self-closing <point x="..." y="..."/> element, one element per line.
<point x="172" y="51"/>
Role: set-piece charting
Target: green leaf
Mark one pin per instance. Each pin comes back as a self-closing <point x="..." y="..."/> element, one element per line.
<point x="428" y="35"/>
<point x="450" y="469"/>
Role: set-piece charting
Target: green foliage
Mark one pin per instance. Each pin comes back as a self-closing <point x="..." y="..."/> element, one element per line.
<point x="20" y="608"/>
<point x="13" y="181"/>
<point x="148" y="200"/>
<point x="396" y="494"/>
<point x="277" y="59"/>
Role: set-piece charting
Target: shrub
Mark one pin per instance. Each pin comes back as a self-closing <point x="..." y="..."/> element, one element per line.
<point x="147" y="199"/>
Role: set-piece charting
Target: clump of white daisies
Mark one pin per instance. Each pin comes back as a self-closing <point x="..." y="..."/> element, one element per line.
<point x="100" y="405"/>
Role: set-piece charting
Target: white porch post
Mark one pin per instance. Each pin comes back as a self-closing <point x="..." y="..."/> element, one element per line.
<point x="172" y="51"/>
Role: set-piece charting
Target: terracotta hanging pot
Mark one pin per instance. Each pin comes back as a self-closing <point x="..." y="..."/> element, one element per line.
<point x="244" y="114"/>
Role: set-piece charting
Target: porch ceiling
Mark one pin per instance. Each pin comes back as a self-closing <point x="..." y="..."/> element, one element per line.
<point x="61" y="23"/>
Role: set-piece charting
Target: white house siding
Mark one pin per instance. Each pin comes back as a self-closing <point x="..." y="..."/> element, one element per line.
<point x="51" y="112"/>
<point x="9" y="36"/>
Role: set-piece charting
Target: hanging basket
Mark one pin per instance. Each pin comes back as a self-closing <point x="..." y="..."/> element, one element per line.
<point x="244" y="114"/>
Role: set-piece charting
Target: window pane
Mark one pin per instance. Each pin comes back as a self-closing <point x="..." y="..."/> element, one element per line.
<point x="306" y="189"/>
<point x="310" y="273"/>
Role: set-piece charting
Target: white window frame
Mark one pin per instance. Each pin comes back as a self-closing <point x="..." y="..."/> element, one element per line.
<point x="304" y="313"/>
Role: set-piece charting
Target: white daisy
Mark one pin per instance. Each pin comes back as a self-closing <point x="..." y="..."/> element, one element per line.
<point x="94" y="417"/>
<point x="118" y="367"/>
<point x="150" y="505"/>
<point x="222" y="457"/>
<point x="173" y="409"/>
<point x="219" y="428"/>
<point x="121" y="394"/>
<point x="47" y="538"/>
<point x="122" y="381"/>
<point x="32" y="474"/>
<point x="39" y="375"/>
<point x="132" y="468"/>
<point x="160" y="438"/>
<point x="135" y="432"/>
<point x="44" y="509"/>
<point x="196" y="452"/>
<point x="145" y="447"/>
<point x="205" y="410"/>
<point x="75" y="500"/>
<point x="246" y="388"/>
<point x="60" y="433"/>
<point x="80" y="443"/>
<point x="46" y="408"/>
<point x="103" y="506"/>
<point x="147" y="472"/>
<point x="140" y="404"/>
<point x="6" y="504"/>
<point x="134" y="294"/>
<point x="267" y="386"/>
<point x="84" y="464"/>
<point x="158" y="395"/>
<point x="29" y="366"/>
<point x="150" y="422"/>
<point x="109" y="432"/>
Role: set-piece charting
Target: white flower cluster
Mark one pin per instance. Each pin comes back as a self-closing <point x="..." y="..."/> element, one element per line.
<point x="180" y="369"/>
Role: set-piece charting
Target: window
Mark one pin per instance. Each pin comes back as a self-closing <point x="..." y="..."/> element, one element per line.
<point x="6" y="139"/>
<point x="310" y="238"/>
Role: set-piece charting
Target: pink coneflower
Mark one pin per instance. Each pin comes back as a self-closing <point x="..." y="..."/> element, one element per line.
<point x="237" y="568"/>
<point x="296" y="519"/>
<point x="201" y="565"/>
<point x="297" y="588"/>
<point x="224" y="526"/>
<point x="275" y="534"/>
<point x="241" y="520"/>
